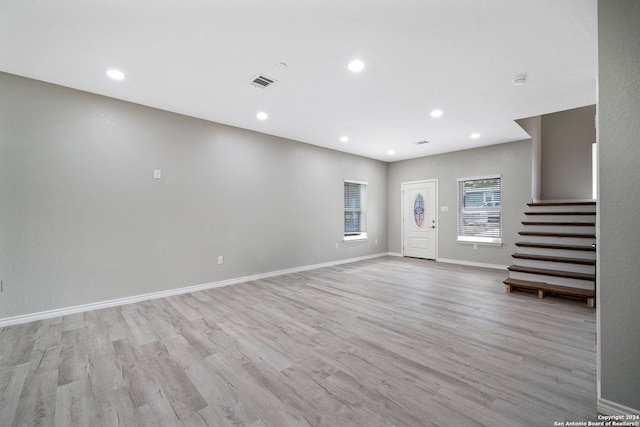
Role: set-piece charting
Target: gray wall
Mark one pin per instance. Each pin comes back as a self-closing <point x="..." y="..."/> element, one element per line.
<point x="83" y="220"/>
<point x="566" y="138"/>
<point x="619" y="202"/>
<point x="512" y="161"/>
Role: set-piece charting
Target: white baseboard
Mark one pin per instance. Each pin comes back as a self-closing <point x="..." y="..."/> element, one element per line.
<point x="394" y="254"/>
<point x="607" y="407"/>
<point x="171" y="292"/>
<point x="473" y="264"/>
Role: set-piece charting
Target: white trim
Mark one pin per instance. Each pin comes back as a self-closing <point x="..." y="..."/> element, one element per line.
<point x="395" y="254"/>
<point x="362" y="234"/>
<point x="421" y="181"/>
<point x="475" y="178"/>
<point x="478" y="240"/>
<point x="594" y="170"/>
<point x="437" y="197"/>
<point x="469" y="239"/>
<point x="612" y="408"/>
<point x="473" y="264"/>
<point x="25" y="318"/>
<point x="356" y="182"/>
<point x="355" y="238"/>
<point x="598" y="264"/>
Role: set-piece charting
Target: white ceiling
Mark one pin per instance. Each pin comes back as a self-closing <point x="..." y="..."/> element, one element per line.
<point x="197" y="57"/>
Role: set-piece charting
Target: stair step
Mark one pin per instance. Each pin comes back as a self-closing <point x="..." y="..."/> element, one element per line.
<point x="556" y="255"/>
<point x="553" y="237"/>
<point x="561" y="252"/>
<point x="543" y="288"/>
<point x="543" y="233"/>
<point x="562" y="224"/>
<point x="562" y="207"/>
<point x="577" y="213"/>
<point x="561" y="216"/>
<point x="562" y="204"/>
<point x="554" y="273"/>
<point x="547" y="258"/>
<point x="549" y="287"/>
<point x="551" y="265"/>
<point x="556" y="246"/>
<point x="552" y="227"/>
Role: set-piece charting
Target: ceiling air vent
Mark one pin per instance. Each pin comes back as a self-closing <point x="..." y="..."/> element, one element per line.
<point x="263" y="81"/>
<point x="421" y="142"/>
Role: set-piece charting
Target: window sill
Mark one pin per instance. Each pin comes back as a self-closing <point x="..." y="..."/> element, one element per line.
<point x="479" y="241"/>
<point x="358" y="237"/>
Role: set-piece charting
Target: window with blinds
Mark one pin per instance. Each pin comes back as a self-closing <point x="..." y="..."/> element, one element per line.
<point x="480" y="210"/>
<point x="355" y="210"/>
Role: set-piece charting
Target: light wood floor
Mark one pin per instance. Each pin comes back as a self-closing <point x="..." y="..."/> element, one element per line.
<point x="386" y="342"/>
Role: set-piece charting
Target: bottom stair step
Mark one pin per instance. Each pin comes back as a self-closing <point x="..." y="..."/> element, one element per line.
<point x="555" y="273"/>
<point x="543" y="288"/>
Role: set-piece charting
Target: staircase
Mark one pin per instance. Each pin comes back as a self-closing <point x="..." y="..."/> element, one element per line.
<point x="556" y="252"/>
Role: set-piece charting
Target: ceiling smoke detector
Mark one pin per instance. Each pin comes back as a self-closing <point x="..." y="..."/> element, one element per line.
<point x="520" y="80"/>
<point x="263" y="81"/>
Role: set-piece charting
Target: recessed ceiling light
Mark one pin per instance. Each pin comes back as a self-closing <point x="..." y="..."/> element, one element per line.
<point x="262" y="115"/>
<point x="115" y="74"/>
<point x="391" y="152"/>
<point x="344" y="139"/>
<point x="475" y="135"/>
<point x="356" y="66"/>
<point x="436" y="113"/>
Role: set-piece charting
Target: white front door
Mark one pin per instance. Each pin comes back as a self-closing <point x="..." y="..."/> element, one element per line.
<point x="419" y="238"/>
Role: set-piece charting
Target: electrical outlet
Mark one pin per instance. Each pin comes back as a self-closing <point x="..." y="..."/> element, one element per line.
<point x="376" y="241"/>
<point x="475" y="246"/>
<point x="220" y="260"/>
<point x="157" y="174"/>
<point x="337" y="246"/>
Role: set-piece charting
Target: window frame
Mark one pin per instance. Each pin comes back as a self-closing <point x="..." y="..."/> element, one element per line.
<point x="475" y="239"/>
<point x="350" y="236"/>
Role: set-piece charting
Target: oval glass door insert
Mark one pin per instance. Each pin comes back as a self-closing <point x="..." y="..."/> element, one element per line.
<point x="418" y="210"/>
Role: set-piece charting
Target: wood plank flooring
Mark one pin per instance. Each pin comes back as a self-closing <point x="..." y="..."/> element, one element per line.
<point x="385" y="342"/>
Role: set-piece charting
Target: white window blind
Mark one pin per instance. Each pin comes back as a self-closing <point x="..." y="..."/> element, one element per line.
<point x="480" y="210"/>
<point x="355" y="210"/>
